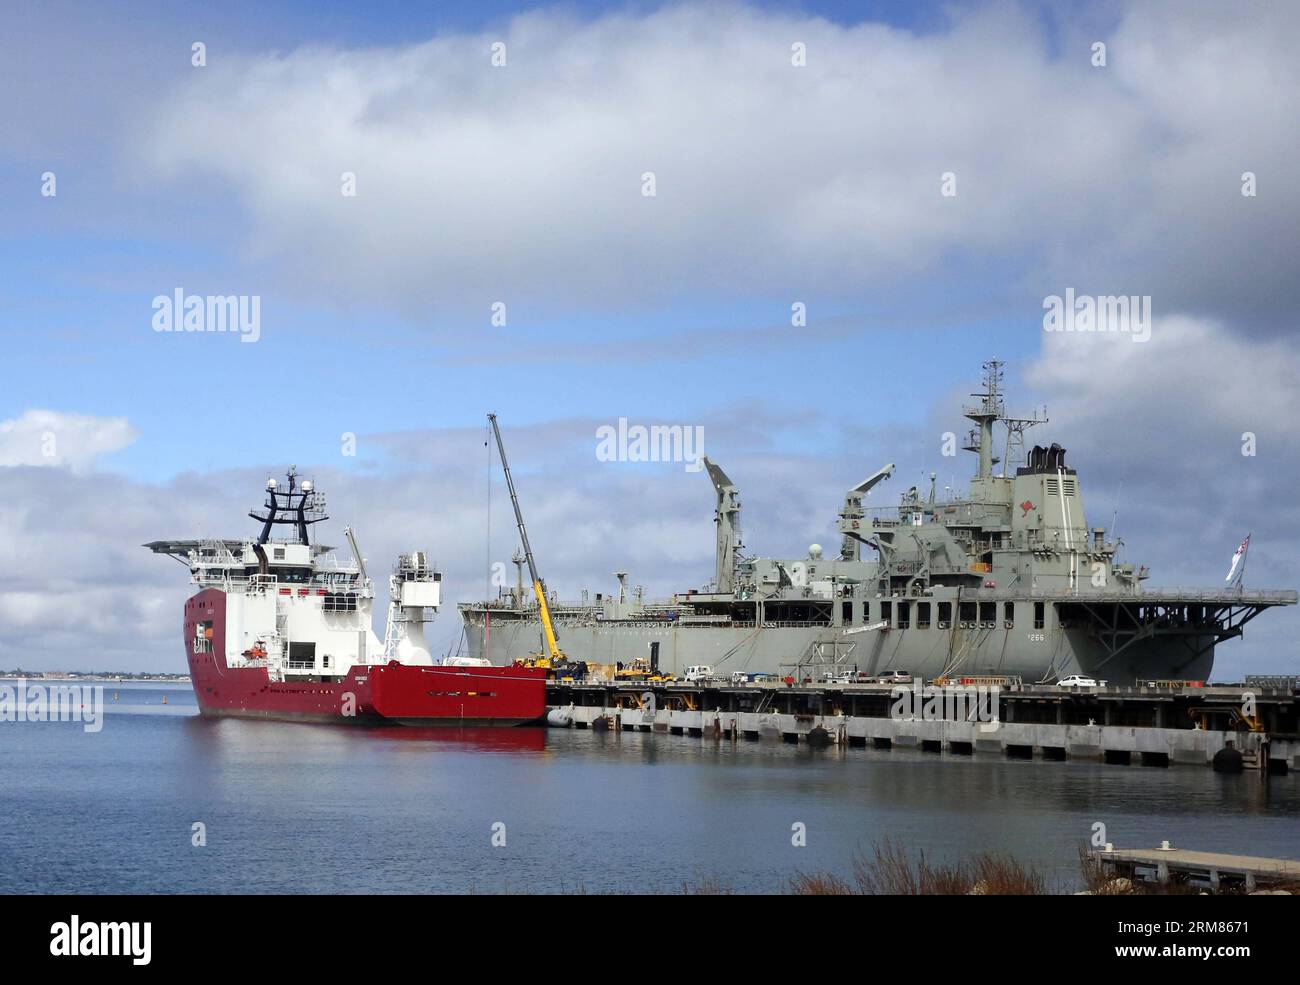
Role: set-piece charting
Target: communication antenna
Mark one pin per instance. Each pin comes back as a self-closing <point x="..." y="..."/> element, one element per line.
<point x="1114" y="519"/>
<point x="1014" y="453"/>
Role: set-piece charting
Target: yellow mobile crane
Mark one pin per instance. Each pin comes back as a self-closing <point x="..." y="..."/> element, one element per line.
<point x="554" y="658"/>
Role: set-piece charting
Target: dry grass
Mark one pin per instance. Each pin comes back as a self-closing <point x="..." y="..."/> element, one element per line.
<point x="891" y="871"/>
<point x="706" y="886"/>
<point x="824" y="884"/>
<point x="1095" y="878"/>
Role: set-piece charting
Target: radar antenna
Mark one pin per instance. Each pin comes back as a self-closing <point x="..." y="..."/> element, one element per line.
<point x="297" y="505"/>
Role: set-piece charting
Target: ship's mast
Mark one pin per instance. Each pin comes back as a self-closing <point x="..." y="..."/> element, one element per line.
<point x="988" y="410"/>
<point x="295" y="506"/>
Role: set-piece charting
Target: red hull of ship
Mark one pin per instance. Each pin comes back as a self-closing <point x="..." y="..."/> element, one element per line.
<point x="380" y="693"/>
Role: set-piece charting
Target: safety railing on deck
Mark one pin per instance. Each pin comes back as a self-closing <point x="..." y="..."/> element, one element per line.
<point x="1154" y="595"/>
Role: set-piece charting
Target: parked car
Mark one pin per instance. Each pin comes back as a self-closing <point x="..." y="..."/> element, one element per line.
<point x="739" y="678"/>
<point x="894" y="677"/>
<point x="1076" y="680"/>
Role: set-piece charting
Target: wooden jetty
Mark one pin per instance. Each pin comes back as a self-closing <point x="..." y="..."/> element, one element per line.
<point x="1214" y="868"/>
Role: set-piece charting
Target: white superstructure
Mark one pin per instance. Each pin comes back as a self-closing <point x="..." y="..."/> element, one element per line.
<point x="293" y="607"/>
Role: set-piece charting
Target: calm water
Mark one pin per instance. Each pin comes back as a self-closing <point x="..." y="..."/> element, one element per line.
<point x="306" y="808"/>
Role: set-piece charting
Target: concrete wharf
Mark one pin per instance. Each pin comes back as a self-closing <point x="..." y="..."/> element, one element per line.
<point x="1158" y="725"/>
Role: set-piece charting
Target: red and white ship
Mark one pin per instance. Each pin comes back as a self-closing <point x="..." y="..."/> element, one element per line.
<point x="280" y="628"/>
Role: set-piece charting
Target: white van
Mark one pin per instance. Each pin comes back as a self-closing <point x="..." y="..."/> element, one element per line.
<point x="696" y="673"/>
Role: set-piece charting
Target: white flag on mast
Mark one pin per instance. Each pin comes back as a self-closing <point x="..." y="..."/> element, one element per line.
<point x="1238" y="559"/>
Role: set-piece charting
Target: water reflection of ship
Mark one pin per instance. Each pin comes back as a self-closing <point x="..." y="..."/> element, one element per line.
<point x="468" y="739"/>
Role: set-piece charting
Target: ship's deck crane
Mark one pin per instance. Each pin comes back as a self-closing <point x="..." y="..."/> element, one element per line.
<point x="555" y="656"/>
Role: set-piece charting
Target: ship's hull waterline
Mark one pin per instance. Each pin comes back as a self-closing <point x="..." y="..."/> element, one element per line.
<point x="786" y="650"/>
<point x="379" y="694"/>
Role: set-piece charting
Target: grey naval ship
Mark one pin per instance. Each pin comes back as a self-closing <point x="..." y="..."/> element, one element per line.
<point x="1008" y="581"/>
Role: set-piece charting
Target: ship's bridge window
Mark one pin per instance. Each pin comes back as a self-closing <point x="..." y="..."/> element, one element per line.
<point x="922" y="615"/>
<point x="967" y="611"/>
<point x="904" y="615"/>
<point x="846" y="612"/>
<point x="1009" y="613"/>
<point x="302" y="655"/>
<point x="988" y="611"/>
<point x="887" y="612"/>
<point x="1040" y="615"/>
<point x="945" y="613"/>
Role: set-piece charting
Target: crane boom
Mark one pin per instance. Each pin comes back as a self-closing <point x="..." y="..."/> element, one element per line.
<point x="356" y="552"/>
<point x="539" y="588"/>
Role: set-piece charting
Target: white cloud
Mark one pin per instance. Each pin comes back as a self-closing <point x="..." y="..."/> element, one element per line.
<point x="51" y="437"/>
<point x="1181" y="400"/>
<point x="478" y="183"/>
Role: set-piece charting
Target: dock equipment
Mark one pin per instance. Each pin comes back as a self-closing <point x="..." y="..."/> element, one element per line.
<point x="554" y="657"/>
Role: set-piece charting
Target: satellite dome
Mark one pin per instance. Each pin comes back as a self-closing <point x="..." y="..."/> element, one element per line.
<point x="815" y="551"/>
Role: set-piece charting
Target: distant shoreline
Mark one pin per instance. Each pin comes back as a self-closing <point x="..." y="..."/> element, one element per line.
<point x="108" y="677"/>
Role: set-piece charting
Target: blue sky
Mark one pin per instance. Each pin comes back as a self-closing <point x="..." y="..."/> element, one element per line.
<point x="83" y="267"/>
<point x="775" y="184"/>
